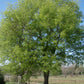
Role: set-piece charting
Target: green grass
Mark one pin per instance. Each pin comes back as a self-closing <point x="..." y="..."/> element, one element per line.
<point x="11" y="83"/>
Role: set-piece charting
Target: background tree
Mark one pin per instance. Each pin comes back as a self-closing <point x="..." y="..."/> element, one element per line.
<point x="36" y="35"/>
<point x="80" y="70"/>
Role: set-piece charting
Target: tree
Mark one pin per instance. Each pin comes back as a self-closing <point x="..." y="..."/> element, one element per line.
<point x="75" y="52"/>
<point x="68" y="70"/>
<point x="35" y="34"/>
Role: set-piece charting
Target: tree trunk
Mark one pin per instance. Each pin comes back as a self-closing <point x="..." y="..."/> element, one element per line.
<point x="28" y="82"/>
<point x="46" y="77"/>
<point x="22" y="82"/>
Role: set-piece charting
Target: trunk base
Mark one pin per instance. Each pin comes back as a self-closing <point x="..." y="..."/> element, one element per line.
<point x="46" y="77"/>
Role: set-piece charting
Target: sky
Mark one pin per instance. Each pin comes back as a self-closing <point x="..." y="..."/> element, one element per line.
<point x="4" y="5"/>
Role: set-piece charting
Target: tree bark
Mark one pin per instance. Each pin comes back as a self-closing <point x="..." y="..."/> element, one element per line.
<point x="22" y="82"/>
<point x="46" y="77"/>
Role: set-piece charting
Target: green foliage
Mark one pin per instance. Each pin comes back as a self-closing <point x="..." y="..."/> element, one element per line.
<point x="36" y="33"/>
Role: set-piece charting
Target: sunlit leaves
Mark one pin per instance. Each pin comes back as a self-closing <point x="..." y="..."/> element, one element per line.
<point x="36" y="33"/>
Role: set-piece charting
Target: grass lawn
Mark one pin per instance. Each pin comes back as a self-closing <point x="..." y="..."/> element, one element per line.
<point x="57" y="80"/>
<point x="60" y="80"/>
<point x="11" y="83"/>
